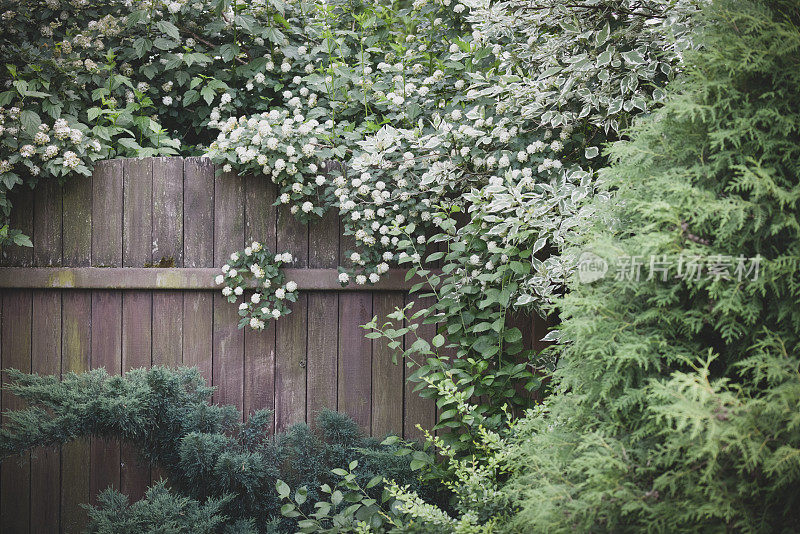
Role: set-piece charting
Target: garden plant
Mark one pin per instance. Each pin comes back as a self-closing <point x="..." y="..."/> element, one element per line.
<point x="494" y="149"/>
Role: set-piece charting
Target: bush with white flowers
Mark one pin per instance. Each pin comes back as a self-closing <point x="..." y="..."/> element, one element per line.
<point x="254" y="278"/>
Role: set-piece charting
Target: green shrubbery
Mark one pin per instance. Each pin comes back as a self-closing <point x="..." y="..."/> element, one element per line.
<point x="678" y="400"/>
<point x="217" y="467"/>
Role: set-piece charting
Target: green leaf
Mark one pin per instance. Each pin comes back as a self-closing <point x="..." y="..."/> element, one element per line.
<point x="169" y="28"/>
<point x="30" y="121"/>
<point x="283" y="489"/>
<point x="438" y="340"/>
<point x="22" y="240"/>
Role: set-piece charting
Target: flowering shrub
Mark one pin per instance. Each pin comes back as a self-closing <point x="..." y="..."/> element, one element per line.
<point x="269" y="301"/>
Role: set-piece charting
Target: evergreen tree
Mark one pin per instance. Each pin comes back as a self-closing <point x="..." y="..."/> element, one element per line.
<point x="678" y="400"/>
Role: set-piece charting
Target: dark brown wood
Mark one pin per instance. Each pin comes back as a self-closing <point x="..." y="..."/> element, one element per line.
<point x="137" y="221"/>
<point x="259" y="347"/>
<point x="15" y="504"/>
<point x="323" y="324"/>
<point x="107" y="354"/>
<point x="355" y="358"/>
<point x="136" y="353"/>
<point x="76" y="222"/>
<point x="291" y="333"/>
<point x="228" y="343"/>
<point x="198" y="251"/>
<point x="96" y="240"/>
<point x="107" y="198"/>
<point x="387" y="377"/>
<point x="47" y="224"/>
<point x="201" y="278"/>
<point x="46" y="461"/>
<point x="76" y="347"/>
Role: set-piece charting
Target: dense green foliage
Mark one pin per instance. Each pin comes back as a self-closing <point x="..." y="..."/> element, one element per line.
<point x="677" y="404"/>
<point x="217" y="467"/>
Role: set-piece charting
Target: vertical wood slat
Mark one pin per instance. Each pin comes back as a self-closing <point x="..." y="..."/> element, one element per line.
<point x="47" y="224"/>
<point x="106" y="353"/>
<point x="76" y="346"/>
<point x="387" y="377"/>
<point x="46" y="360"/>
<point x="198" y="251"/>
<point x="107" y="237"/>
<point x="259" y="347"/>
<point x="15" y="505"/>
<point x="137" y="306"/>
<point x="355" y="358"/>
<point x="228" y="341"/>
<point x="291" y="332"/>
<point x="76" y="342"/>
<point x="168" y="245"/>
<point x="46" y="351"/>
<point x="323" y="325"/>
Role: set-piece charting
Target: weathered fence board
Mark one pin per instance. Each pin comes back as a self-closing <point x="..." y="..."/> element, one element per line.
<point x="121" y="277"/>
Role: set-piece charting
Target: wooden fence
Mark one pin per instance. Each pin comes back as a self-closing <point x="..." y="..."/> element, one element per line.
<point x="86" y="296"/>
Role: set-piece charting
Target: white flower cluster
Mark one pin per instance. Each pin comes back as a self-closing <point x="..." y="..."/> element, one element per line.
<point x="281" y="145"/>
<point x="270" y="296"/>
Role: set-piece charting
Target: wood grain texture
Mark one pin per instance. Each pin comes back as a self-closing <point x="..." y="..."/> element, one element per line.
<point x="15" y="477"/>
<point x="46" y="461"/>
<point x="136" y="353"/>
<point x="387" y="377"/>
<point x="323" y="320"/>
<point x="259" y="347"/>
<point x="355" y="358"/>
<point x="137" y="221"/>
<point x="291" y="334"/>
<point x="76" y="347"/>
<point x="176" y="278"/>
<point x="198" y="212"/>
<point x="107" y="197"/>
<point x="107" y="354"/>
<point x="76" y="222"/>
<point x="228" y="344"/>
<point x="47" y="224"/>
<point x="168" y="210"/>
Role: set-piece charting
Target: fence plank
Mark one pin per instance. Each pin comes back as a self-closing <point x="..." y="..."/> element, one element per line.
<point x="76" y="346"/>
<point x="323" y="331"/>
<point x="198" y="212"/>
<point x="107" y="194"/>
<point x="167" y="248"/>
<point x="168" y="210"/>
<point x="76" y="222"/>
<point x="106" y="353"/>
<point x="259" y="347"/>
<point x="417" y="410"/>
<point x="291" y="332"/>
<point x="198" y="251"/>
<point x="387" y="377"/>
<point x="355" y="358"/>
<point x="46" y="351"/>
<point x="172" y="278"/>
<point x="15" y="505"/>
<point x="47" y="224"/>
<point x="228" y="345"/>
<point x="137" y="221"/>
<point x="136" y="353"/>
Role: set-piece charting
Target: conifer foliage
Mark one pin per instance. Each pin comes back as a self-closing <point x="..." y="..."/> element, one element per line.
<point x="677" y="399"/>
<point x="221" y="472"/>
